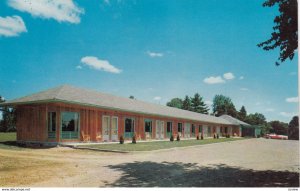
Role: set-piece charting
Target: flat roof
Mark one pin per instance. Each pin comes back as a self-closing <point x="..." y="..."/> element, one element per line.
<point x="75" y="95"/>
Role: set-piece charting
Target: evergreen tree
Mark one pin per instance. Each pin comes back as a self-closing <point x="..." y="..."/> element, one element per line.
<point x="242" y="114"/>
<point x="186" y="104"/>
<point x="198" y="105"/>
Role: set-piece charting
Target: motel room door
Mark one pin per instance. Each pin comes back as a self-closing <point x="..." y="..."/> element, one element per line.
<point x="110" y="128"/>
<point x="187" y="130"/>
<point x="159" y="129"/>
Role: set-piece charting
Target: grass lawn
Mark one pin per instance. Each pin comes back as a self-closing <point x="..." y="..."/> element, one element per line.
<point x="149" y="146"/>
<point x="8" y="137"/>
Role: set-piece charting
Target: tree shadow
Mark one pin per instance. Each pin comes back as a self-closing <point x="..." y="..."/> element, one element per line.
<point x="166" y="174"/>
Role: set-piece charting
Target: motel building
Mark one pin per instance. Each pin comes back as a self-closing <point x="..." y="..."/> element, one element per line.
<point x="70" y="114"/>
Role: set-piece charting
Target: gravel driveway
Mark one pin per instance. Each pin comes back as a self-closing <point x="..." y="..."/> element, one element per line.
<point x="245" y="163"/>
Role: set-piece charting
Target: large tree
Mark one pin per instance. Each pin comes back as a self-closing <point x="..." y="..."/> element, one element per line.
<point x="223" y="105"/>
<point x="242" y="114"/>
<point x="256" y="119"/>
<point x="198" y="104"/>
<point x="285" y="34"/>
<point x="8" y="120"/>
<point x="293" y="130"/>
<point x="175" y="102"/>
<point x="186" y="104"/>
<point x="278" y="127"/>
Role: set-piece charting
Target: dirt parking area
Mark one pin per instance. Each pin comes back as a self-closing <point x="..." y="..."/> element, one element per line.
<point x="244" y="163"/>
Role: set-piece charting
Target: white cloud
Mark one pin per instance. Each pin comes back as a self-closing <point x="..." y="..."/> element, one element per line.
<point x="228" y="76"/>
<point x="79" y="67"/>
<point x="270" y="110"/>
<point x="157" y="98"/>
<point x="241" y="77"/>
<point x="214" y="80"/>
<point x="60" y="10"/>
<point x="97" y="64"/>
<point x="292" y="99"/>
<point x="208" y="102"/>
<point x="287" y="114"/>
<point x="244" y="89"/>
<point x="155" y="54"/>
<point x="12" y="26"/>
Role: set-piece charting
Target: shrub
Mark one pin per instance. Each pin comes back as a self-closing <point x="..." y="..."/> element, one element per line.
<point x="178" y="138"/>
<point x="202" y="137"/>
<point x="172" y="138"/>
<point x="217" y="136"/>
<point x="121" y="139"/>
<point x="134" y="139"/>
<point x="197" y="137"/>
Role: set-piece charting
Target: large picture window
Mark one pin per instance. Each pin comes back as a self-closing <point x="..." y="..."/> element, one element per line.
<point x="179" y="127"/>
<point x="148" y="126"/>
<point x="69" y="125"/>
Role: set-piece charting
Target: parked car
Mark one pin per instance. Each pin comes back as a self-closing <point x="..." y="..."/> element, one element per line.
<point x="274" y="136"/>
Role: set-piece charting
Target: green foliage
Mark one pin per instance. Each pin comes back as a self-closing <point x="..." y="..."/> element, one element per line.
<point x="285" y="34"/>
<point x="242" y="114"/>
<point x="121" y="139"/>
<point x="198" y="104"/>
<point x="172" y="138"/>
<point x="131" y="97"/>
<point x="178" y="138"/>
<point x="223" y="105"/>
<point x="8" y="121"/>
<point x="293" y="129"/>
<point x="278" y="127"/>
<point x="256" y="119"/>
<point x="175" y="102"/>
<point x="187" y="104"/>
<point x="134" y="139"/>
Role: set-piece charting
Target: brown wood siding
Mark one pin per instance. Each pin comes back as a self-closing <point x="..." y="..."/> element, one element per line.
<point x="32" y="122"/>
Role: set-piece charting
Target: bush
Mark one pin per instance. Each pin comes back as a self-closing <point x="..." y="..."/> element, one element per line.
<point x="197" y="137"/>
<point x="134" y="139"/>
<point x="202" y="137"/>
<point x="178" y="138"/>
<point x="121" y="139"/>
<point x="172" y="138"/>
<point x="228" y="136"/>
<point x="217" y="136"/>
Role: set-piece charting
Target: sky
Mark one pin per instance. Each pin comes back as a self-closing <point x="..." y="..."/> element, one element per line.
<point x="154" y="50"/>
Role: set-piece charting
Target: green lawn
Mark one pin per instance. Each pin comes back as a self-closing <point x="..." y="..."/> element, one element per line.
<point x="8" y="137"/>
<point x="149" y="146"/>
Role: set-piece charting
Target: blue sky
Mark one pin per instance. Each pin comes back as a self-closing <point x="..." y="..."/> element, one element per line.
<point x="152" y="49"/>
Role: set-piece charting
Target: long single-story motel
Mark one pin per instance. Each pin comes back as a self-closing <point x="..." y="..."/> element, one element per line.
<point x="71" y="114"/>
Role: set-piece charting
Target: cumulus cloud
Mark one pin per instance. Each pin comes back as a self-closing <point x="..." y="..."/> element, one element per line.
<point x="157" y="98"/>
<point x="12" y="26"/>
<point x="60" y="10"/>
<point x="228" y="76"/>
<point x="79" y="67"/>
<point x="97" y="64"/>
<point x="155" y="54"/>
<point x="214" y="80"/>
<point x="292" y="99"/>
<point x="287" y="114"/>
<point x="241" y="77"/>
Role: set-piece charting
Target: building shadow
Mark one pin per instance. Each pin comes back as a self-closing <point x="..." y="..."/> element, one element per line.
<point x="167" y="174"/>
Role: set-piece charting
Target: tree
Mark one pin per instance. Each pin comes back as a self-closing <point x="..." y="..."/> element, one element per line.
<point x="293" y="129"/>
<point x="278" y="127"/>
<point x="256" y="119"/>
<point x="198" y="105"/>
<point x="175" y="102"/>
<point x="131" y="97"/>
<point x="8" y="118"/>
<point x="223" y="105"/>
<point x="285" y="34"/>
<point x="242" y="114"/>
<point x="186" y="104"/>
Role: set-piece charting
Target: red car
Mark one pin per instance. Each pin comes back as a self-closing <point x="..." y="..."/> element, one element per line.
<point x="274" y="136"/>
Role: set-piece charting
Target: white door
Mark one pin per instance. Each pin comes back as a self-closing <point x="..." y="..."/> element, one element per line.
<point x="105" y="128"/>
<point x="114" y="128"/>
<point x="187" y="130"/>
<point x="159" y="129"/>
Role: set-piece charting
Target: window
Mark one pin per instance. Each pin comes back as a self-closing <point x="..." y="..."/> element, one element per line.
<point x="169" y="127"/>
<point x="226" y="129"/>
<point x="129" y="125"/>
<point x="180" y="127"/>
<point x="200" y="128"/>
<point x="209" y="130"/>
<point x="51" y="121"/>
<point x="69" y="121"/>
<point x="148" y="125"/>
<point x="193" y="128"/>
